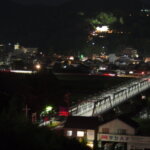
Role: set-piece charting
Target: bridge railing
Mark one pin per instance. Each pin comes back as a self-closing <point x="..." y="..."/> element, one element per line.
<point x="101" y="103"/>
<point x="122" y="96"/>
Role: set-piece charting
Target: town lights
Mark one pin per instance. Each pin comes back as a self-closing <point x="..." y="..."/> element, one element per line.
<point x="102" y="29"/>
<point x="71" y="58"/>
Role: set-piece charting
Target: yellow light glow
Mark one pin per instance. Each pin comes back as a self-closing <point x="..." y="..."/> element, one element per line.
<point x="16" y="46"/>
<point x="90" y="144"/>
<point x="38" y="66"/>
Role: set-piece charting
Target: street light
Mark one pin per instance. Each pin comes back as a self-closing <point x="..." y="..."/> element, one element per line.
<point x="48" y="108"/>
<point x="38" y="66"/>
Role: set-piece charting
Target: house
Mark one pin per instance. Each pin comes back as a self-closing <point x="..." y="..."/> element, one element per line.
<point x="118" y="133"/>
<point x="82" y="128"/>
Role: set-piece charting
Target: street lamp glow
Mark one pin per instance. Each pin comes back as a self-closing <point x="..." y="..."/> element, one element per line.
<point x="49" y="108"/>
<point x="38" y="66"/>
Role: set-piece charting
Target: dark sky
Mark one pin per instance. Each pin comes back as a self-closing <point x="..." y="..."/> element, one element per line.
<point x="45" y="2"/>
<point x="33" y="24"/>
<point x="56" y="2"/>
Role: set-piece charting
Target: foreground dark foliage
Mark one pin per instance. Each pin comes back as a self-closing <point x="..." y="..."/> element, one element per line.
<point x="19" y="134"/>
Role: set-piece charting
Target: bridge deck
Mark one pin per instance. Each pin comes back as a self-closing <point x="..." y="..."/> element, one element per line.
<point x="107" y="100"/>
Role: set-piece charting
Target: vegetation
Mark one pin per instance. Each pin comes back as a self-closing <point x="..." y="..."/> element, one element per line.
<point x="17" y="132"/>
<point x="103" y="18"/>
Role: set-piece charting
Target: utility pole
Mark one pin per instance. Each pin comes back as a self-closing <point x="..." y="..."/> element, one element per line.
<point x="26" y="109"/>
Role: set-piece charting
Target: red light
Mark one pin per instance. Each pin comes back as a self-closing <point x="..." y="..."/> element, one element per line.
<point x="109" y="74"/>
<point x="63" y="112"/>
<point x="106" y="74"/>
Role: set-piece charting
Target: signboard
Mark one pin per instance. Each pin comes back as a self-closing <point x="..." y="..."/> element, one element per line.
<point x="124" y="138"/>
<point x="114" y="138"/>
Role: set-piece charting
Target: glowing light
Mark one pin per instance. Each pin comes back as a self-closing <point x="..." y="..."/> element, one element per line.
<point x="109" y="74"/>
<point x="81" y="56"/>
<point x="130" y="72"/>
<point x="49" y="108"/>
<point x="90" y="144"/>
<point x="16" y="46"/>
<point x="23" y="71"/>
<point x="98" y="29"/>
<point x="80" y="133"/>
<point x="38" y="66"/>
<point x="84" y="58"/>
<point x="71" y="58"/>
<point x="136" y="55"/>
<point x="65" y="67"/>
<point x="102" y="68"/>
<point x="143" y="97"/>
<point x="69" y="133"/>
<point x="63" y="112"/>
<point x="102" y="29"/>
<point x="142" y="72"/>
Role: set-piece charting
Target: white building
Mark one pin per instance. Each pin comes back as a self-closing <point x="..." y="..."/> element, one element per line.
<point x="119" y="133"/>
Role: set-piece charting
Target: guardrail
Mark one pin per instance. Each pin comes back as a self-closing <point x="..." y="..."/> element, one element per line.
<point x="107" y="100"/>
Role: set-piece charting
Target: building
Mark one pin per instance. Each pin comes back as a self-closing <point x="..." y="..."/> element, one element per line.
<point x="82" y="128"/>
<point x="119" y="133"/>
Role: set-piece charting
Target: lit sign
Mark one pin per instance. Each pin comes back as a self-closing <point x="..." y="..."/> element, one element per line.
<point x="124" y="138"/>
<point x="116" y="138"/>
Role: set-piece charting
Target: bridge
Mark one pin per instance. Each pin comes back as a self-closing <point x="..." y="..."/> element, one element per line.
<point x="105" y="101"/>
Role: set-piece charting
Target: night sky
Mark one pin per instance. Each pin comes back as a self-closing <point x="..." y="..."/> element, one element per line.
<point x="45" y="2"/>
<point x="52" y="2"/>
<point x="57" y="2"/>
<point x="40" y="21"/>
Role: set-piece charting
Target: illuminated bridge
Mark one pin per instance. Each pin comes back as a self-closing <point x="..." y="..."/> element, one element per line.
<point x="99" y="104"/>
